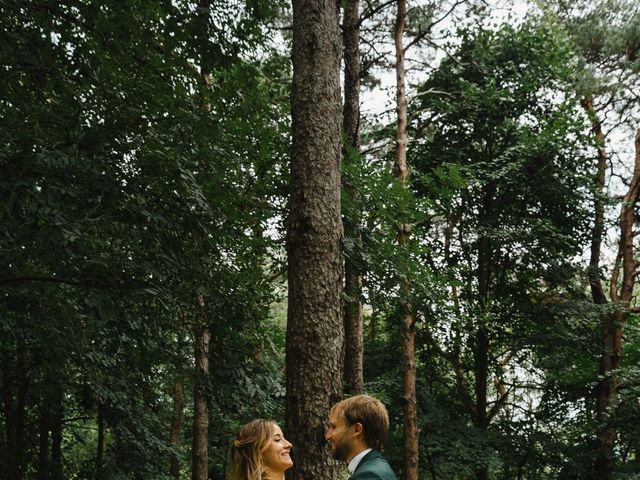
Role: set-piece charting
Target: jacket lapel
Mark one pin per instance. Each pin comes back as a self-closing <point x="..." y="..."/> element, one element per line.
<point x="373" y="454"/>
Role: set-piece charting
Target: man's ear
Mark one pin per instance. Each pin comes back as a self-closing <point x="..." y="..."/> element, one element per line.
<point x="357" y="429"/>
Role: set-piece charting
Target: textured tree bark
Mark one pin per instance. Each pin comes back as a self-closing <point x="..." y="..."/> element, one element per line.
<point x="315" y="333"/>
<point x="174" y="433"/>
<point x="408" y="368"/>
<point x="353" y="330"/>
<point x="353" y="311"/>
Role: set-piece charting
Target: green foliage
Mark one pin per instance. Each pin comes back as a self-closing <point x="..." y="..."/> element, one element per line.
<point x="122" y="201"/>
<point x="498" y="150"/>
<point x="130" y="188"/>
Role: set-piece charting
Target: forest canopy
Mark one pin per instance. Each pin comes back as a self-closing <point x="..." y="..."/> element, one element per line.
<point x="167" y="206"/>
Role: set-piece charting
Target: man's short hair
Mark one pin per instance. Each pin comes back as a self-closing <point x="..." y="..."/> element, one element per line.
<point x="370" y="413"/>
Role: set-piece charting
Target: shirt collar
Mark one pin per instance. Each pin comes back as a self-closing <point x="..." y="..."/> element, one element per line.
<point x="355" y="461"/>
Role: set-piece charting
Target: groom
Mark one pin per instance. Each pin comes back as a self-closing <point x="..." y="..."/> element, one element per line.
<point x="358" y="428"/>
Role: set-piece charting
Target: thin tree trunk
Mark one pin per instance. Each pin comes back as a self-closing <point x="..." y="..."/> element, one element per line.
<point x="597" y="292"/>
<point x="353" y="330"/>
<point x="604" y="441"/>
<point x="17" y="462"/>
<point x="409" y="408"/>
<point x="8" y="378"/>
<point x="353" y="311"/>
<point x="57" y="420"/>
<point x="314" y="342"/>
<point x="174" y="434"/>
<point x="43" y="447"/>
<point x="50" y="422"/>
<point x="621" y="295"/>
<point x="611" y="323"/>
<point x="482" y="344"/>
<point x="481" y="355"/>
<point x="99" y="475"/>
<point x="200" y="439"/>
<point x="200" y="445"/>
<point x="351" y="38"/>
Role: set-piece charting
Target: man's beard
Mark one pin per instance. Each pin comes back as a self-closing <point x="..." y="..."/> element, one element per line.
<point x="341" y="451"/>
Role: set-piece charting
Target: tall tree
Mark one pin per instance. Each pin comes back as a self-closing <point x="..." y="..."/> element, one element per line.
<point x="315" y="331"/>
<point x="202" y="329"/>
<point x="490" y="130"/>
<point x="153" y="199"/>
<point x="407" y="316"/>
<point x="606" y="40"/>
<point x="353" y="305"/>
<point x="174" y="430"/>
<point x="621" y="294"/>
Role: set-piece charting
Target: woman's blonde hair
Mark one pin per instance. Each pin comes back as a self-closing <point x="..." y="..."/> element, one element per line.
<point x="246" y="452"/>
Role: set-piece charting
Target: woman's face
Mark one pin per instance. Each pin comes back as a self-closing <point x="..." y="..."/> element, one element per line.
<point x="276" y="456"/>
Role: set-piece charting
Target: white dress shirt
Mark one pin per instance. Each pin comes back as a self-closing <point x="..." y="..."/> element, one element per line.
<point x="355" y="461"/>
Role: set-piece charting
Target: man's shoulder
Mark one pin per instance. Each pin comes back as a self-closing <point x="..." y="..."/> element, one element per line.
<point x="374" y="467"/>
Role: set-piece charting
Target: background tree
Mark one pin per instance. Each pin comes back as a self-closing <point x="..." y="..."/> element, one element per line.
<point x="408" y="319"/>
<point x="488" y="116"/>
<point x="353" y="305"/>
<point x="145" y="178"/>
<point x="114" y="213"/>
<point x="607" y="43"/>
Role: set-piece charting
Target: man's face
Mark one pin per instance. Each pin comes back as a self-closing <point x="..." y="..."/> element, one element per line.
<point x="340" y="437"/>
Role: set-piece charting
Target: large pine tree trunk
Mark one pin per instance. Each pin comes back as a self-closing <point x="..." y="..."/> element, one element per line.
<point x="409" y="408"/>
<point x="353" y="312"/>
<point x="314" y="321"/>
<point x="174" y="433"/>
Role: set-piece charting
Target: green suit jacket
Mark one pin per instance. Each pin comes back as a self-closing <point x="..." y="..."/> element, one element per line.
<point x="373" y="467"/>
